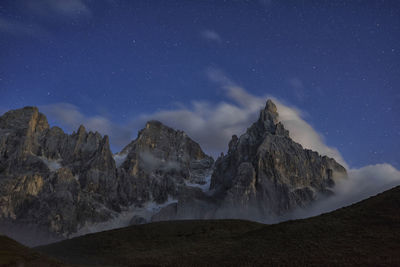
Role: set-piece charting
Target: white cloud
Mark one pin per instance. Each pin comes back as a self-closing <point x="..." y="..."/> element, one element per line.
<point x="151" y="163"/>
<point x="69" y="117"/>
<point x="368" y="181"/>
<point x="52" y="8"/>
<point x="18" y="28"/>
<point x="291" y="117"/>
<point x="34" y="15"/>
<point x="304" y="134"/>
<point x="296" y="82"/>
<point x="212" y="125"/>
<point x="361" y="184"/>
<point x="297" y="88"/>
<point x="211" y="36"/>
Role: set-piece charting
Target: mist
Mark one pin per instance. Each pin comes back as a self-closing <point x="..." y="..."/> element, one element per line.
<point x="361" y="184"/>
<point x="213" y="124"/>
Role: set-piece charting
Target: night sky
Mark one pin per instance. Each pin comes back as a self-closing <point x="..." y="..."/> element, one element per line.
<point x="336" y="61"/>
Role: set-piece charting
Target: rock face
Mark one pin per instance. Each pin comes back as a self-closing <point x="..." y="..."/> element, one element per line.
<point x="63" y="183"/>
<point x="51" y="179"/>
<point x="159" y="163"/>
<point x="266" y="173"/>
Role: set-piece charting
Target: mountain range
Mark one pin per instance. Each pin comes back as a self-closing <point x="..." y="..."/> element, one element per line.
<point x="55" y="185"/>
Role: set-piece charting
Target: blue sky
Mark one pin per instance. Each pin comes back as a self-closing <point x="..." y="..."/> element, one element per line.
<point x="113" y="64"/>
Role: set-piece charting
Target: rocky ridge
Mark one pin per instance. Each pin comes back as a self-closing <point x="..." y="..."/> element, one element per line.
<point x="62" y="182"/>
<point x="266" y="173"/>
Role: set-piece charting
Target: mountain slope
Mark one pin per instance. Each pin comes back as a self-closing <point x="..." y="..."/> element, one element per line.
<point x="64" y="184"/>
<point x="14" y="254"/>
<point x="50" y="179"/>
<point x="160" y="162"/>
<point x="266" y="173"/>
<point x="71" y="184"/>
<point x="366" y="233"/>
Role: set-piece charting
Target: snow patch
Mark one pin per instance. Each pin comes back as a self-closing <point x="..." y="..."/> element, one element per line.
<point x="204" y="187"/>
<point x="52" y="164"/>
<point x="154" y="207"/>
<point x="152" y="163"/>
<point x="119" y="159"/>
<point x="123" y="219"/>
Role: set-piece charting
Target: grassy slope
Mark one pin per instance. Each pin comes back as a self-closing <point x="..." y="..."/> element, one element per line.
<point x="14" y="254"/>
<point x="367" y="233"/>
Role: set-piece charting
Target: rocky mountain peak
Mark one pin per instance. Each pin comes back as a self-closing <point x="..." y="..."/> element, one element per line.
<point x="62" y="182"/>
<point x="264" y="167"/>
<point x="24" y="118"/>
<point x="165" y="141"/>
<point x="160" y="161"/>
<point x="155" y="131"/>
<point x="57" y="181"/>
<point x="270" y="106"/>
<point x="81" y="130"/>
<point x="154" y="127"/>
<point x="154" y="124"/>
<point x="268" y="117"/>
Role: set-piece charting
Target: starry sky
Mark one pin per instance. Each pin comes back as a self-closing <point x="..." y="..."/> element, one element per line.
<point x="338" y="62"/>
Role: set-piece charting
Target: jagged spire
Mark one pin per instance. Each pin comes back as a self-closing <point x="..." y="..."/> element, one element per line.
<point x="269" y="113"/>
<point x="269" y="116"/>
<point x="81" y="130"/>
<point x="270" y="106"/>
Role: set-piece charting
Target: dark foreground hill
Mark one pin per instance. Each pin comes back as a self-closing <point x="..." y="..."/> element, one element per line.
<point x="14" y="254"/>
<point x="364" y="234"/>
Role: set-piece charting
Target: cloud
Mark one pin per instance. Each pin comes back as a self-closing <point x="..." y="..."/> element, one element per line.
<point x="296" y="82"/>
<point x="152" y="163"/>
<point x="361" y="184"/>
<point x="212" y="125"/>
<point x="57" y="8"/>
<point x="297" y="88"/>
<point x="69" y="117"/>
<point x="210" y="35"/>
<point x="304" y="134"/>
<point x="291" y="117"/>
<point x="265" y="3"/>
<point x="35" y="15"/>
<point x="18" y="28"/>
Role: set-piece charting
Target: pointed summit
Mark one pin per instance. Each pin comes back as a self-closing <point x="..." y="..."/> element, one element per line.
<point x="268" y="116"/>
<point x="157" y="136"/>
<point x="270" y="106"/>
<point x="81" y="130"/>
<point x="154" y="124"/>
<point x="265" y="172"/>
